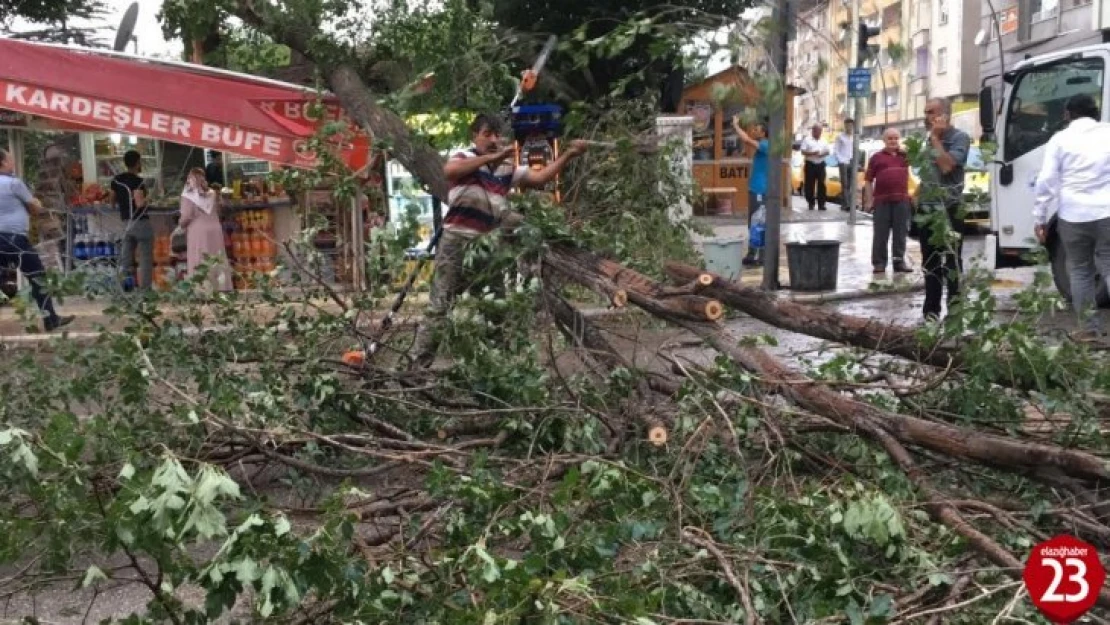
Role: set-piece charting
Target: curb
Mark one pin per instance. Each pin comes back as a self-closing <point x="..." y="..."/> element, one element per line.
<point x="856" y="294"/>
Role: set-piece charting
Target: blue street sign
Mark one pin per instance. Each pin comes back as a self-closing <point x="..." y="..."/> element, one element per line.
<point x="859" y="82"/>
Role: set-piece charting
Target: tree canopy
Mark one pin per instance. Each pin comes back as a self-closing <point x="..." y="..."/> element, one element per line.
<point x="644" y="40"/>
<point x="48" y="12"/>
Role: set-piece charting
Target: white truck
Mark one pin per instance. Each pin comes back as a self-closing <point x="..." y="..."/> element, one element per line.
<point x="1034" y="94"/>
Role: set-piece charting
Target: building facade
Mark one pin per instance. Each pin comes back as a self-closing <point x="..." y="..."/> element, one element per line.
<point x="812" y="67"/>
<point x="927" y="49"/>
<point x="1015" y="29"/>
<point x="943" y="56"/>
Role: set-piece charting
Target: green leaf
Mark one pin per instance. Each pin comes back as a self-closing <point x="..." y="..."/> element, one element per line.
<point x="853" y="612"/>
<point x="881" y="607"/>
<point x="140" y="505"/>
<point x="246" y="570"/>
<point x="939" y="579"/>
<point x="127" y="471"/>
<point x="93" y="574"/>
<point x="27" y="457"/>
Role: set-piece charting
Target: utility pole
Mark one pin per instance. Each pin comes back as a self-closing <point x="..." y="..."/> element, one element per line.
<point x="860" y="52"/>
<point x="854" y="61"/>
<point x="782" y="25"/>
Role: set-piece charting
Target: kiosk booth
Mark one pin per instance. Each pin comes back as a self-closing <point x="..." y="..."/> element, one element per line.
<point x="722" y="164"/>
<point x="105" y="103"/>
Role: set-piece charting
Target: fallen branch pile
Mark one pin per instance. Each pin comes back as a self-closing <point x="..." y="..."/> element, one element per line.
<point x="623" y="478"/>
<point x="894" y="433"/>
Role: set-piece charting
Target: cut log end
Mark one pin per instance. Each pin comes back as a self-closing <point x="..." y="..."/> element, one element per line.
<point x="714" y="310"/>
<point x="705" y="279"/>
<point x="657" y="435"/>
<point x="619" y="298"/>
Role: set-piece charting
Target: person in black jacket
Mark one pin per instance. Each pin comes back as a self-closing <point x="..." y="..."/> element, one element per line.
<point x="214" y="172"/>
<point x="138" y="234"/>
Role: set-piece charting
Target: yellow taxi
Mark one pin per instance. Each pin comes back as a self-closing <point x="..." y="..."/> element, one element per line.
<point x="832" y="176"/>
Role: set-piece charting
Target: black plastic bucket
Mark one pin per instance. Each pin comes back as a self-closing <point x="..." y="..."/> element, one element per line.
<point x="813" y="265"/>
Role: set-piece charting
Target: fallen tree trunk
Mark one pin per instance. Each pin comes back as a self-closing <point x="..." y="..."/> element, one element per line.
<point x="823" y="324"/>
<point x="609" y="278"/>
<point x="951" y="440"/>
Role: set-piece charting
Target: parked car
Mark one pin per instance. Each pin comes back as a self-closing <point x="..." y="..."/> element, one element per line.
<point x="832" y="176"/>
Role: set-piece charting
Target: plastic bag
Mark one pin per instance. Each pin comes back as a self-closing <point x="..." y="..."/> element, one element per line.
<point x="758" y="229"/>
<point x="178" y="241"/>
<point x="760" y="216"/>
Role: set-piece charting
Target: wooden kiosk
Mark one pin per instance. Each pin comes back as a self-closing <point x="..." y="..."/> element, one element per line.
<point x="722" y="164"/>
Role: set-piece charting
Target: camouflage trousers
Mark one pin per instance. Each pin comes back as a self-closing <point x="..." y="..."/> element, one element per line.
<point x="450" y="280"/>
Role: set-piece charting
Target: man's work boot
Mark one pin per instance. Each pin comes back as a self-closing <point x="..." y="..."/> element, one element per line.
<point x="1089" y="336"/>
<point x="53" y="323"/>
<point x="900" y="266"/>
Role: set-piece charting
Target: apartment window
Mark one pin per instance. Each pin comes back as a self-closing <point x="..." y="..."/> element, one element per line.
<point x="872" y="102"/>
<point x="942" y="60"/>
<point x="922" y="61"/>
<point x="924" y="15"/>
<point x="1042" y="10"/>
<point x="890" y="98"/>
<point x="942" y="5"/>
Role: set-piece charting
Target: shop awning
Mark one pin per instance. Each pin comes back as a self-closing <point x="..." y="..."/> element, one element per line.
<point x="179" y="102"/>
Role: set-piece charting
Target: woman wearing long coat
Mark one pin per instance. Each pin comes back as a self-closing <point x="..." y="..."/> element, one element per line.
<point x="204" y="234"/>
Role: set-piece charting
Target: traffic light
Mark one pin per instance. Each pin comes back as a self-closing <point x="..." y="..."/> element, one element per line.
<point x="864" y="48"/>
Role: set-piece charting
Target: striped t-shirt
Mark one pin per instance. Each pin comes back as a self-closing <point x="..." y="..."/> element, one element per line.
<point x="478" y="199"/>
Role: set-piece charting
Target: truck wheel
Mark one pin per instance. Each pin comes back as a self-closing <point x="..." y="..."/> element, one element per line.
<point x="1060" y="274"/>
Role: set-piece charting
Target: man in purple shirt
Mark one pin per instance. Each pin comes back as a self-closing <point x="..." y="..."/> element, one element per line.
<point x="887" y="194"/>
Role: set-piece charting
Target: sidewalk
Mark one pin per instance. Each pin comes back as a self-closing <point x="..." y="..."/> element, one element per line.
<point x="854" y="272"/>
<point x="854" y="277"/>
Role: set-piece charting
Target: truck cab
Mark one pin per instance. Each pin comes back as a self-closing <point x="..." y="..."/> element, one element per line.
<point x="1035" y="92"/>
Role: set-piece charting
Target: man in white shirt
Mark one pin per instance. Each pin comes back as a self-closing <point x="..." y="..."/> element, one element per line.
<point x="815" y="150"/>
<point x="1075" y="180"/>
<point x="842" y="150"/>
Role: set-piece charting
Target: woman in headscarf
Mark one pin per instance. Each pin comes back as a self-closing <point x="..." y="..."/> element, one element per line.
<point x="204" y="234"/>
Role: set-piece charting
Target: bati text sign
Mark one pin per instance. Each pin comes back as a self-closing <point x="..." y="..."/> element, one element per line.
<point x="859" y="82"/>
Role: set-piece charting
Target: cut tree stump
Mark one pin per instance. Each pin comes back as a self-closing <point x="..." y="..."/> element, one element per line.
<point x="607" y="277"/>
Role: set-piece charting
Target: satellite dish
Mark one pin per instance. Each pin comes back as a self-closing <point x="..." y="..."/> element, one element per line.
<point x="126" y="27"/>
<point x="980" y="37"/>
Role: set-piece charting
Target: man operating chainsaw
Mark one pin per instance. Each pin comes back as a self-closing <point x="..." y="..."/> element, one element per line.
<point x="480" y="178"/>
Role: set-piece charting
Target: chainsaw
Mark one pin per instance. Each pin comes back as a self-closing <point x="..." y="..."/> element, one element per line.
<point x="532" y="75"/>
